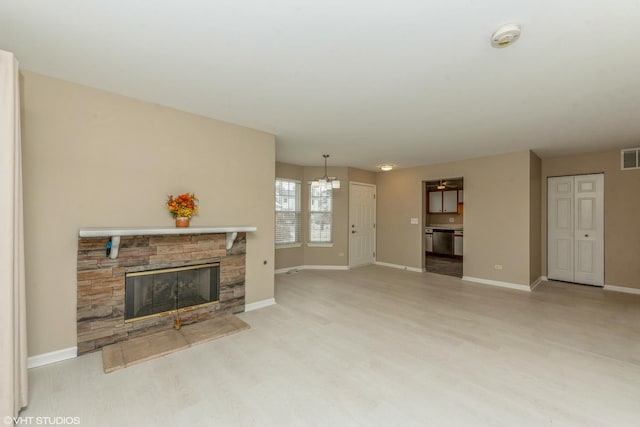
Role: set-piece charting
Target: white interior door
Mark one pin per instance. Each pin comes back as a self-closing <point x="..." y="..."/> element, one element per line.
<point x="362" y="223"/>
<point x="589" y="229"/>
<point x="575" y="225"/>
<point x="560" y="228"/>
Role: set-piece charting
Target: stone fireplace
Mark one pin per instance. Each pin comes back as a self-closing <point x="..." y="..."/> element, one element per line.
<point x="198" y="274"/>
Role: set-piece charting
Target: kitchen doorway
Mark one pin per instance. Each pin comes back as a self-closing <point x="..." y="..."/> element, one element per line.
<point x="443" y="219"/>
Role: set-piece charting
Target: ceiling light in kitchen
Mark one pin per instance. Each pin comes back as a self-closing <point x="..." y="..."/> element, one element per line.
<point x="386" y="166"/>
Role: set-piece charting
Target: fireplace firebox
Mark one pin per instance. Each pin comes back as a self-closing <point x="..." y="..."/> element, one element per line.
<point x="157" y="292"/>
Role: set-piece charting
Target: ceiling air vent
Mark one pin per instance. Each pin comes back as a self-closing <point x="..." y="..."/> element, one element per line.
<point x="630" y="158"/>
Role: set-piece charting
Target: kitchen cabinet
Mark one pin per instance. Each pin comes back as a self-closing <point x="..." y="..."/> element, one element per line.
<point x="443" y="201"/>
<point x="460" y="202"/>
<point x="428" y="242"/>
<point x="435" y="201"/>
<point x="457" y="245"/>
<point x="450" y="201"/>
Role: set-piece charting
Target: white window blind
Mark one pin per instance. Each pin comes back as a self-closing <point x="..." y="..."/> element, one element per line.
<point x="320" y="213"/>
<point x="287" y="211"/>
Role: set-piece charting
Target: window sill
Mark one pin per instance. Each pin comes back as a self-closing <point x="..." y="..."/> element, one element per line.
<point x="320" y="245"/>
<point x="288" y="245"/>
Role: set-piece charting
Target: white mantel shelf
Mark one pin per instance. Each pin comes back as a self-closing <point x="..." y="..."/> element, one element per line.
<point x="116" y="233"/>
<point x="154" y="231"/>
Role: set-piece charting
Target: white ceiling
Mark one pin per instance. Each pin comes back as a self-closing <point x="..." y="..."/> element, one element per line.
<point x="405" y="81"/>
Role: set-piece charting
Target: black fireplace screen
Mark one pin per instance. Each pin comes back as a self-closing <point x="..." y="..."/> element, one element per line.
<point x="158" y="291"/>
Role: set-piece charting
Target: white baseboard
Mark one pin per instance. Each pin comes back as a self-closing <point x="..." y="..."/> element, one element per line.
<point x="310" y="267"/>
<point x="537" y="282"/>
<point x="401" y="267"/>
<point x="544" y="278"/>
<point x="52" y="357"/>
<point x="288" y="270"/>
<point x="622" y="289"/>
<point x="497" y="283"/>
<point x="259" y="304"/>
<point x="325" y="267"/>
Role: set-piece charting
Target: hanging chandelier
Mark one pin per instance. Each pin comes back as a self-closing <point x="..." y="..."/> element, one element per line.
<point x="326" y="182"/>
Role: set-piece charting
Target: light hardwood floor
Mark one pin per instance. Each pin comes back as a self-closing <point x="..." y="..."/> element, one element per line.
<point x="376" y="346"/>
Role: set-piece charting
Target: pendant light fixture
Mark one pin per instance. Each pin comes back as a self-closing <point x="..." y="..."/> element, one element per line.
<point x="326" y="182"/>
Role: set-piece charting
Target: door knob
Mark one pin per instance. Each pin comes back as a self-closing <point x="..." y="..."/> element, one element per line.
<point x="586" y="235"/>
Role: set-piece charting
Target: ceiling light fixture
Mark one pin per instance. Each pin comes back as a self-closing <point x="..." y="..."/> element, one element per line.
<point x="505" y="35"/>
<point x="442" y="185"/>
<point x="326" y="182"/>
<point x="386" y="166"/>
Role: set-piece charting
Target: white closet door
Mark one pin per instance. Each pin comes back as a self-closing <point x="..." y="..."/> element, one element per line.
<point x="576" y="229"/>
<point x="560" y="226"/>
<point x="589" y="229"/>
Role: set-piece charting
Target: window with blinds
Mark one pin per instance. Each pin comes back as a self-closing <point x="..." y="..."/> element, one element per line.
<point x="287" y="211"/>
<point x="320" y="213"/>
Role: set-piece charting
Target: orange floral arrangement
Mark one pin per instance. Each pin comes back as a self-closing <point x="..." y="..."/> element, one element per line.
<point x="185" y="205"/>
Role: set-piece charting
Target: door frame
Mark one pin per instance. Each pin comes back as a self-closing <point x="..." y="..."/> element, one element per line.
<point x="375" y="219"/>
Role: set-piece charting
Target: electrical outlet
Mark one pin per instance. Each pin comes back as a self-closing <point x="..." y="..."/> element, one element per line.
<point x="451" y="219"/>
<point x="498" y="267"/>
<point x="414" y="220"/>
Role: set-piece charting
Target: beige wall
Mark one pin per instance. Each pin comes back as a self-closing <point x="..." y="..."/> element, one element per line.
<point x="496" y="215"/>
<point x="96" y="159"/>
<point x="439" y="219"/>
<point x="535" y="195"/>
<point x="362" y="176"/>
<point x="621" y="206"/>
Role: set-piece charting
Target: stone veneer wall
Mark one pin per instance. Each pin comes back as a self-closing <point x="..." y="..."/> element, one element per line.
<point x="101" y="282"/>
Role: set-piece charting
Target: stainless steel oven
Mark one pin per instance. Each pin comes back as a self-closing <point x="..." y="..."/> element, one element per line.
<point x="443" y="242"/>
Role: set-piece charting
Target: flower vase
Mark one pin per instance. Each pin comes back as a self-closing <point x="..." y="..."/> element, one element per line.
<point x="182" y="222"/>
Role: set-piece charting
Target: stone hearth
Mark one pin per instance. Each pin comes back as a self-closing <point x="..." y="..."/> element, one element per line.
<point x="136" y="350"/>
<point x="101" y="282"/>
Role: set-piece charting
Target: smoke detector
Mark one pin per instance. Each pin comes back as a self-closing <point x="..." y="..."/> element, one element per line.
<point x="505" y="35"/>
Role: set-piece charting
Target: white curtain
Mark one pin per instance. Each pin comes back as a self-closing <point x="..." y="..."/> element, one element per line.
<point x="13" y="328"/>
